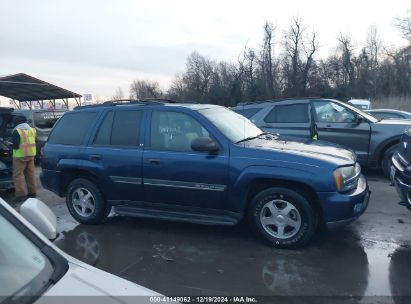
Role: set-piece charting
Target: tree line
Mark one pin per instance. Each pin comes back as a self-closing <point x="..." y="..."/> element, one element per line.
<point x="288" y="67"/>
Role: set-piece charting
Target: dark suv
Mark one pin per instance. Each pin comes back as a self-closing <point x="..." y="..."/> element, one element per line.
<point x="6" y="129"/>
<point x="401" y="169"/>
<point x="201" y="164"/>
<point x="373" y="140"/>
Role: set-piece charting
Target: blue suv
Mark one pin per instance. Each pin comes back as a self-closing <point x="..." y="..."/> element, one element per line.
<point x="201" y="164"/>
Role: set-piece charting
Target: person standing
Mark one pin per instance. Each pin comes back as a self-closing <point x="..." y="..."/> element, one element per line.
<point x="24" y="151"/>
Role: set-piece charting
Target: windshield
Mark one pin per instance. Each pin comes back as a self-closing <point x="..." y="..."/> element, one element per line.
<point x="234" y="126"/>
<point x="358" y="111"/>
<point x="24" y="270"/>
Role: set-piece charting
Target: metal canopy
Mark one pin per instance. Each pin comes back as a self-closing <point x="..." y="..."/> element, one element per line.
<point x="25" y="88"/>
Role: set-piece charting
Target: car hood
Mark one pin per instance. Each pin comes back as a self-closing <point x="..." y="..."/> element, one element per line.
<point x="308" y="148"/>
<point x="399" y="122"/>
<point x="84" y="280"/>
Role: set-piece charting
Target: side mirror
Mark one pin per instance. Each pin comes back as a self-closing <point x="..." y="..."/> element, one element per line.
<point x="204" y="144"/>
<point x="40" y="216"/>
<point x="358" y="119"/>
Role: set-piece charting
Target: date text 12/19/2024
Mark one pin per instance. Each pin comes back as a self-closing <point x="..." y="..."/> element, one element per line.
<point x="203" y="299"/>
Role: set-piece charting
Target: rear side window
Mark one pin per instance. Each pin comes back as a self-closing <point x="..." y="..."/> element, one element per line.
<point x="103" y="136"/>
<point x="296" y="113"/>
<point x="72" y="128"/>
<point x="119" y="129"/>
<point x="248" y="112"/>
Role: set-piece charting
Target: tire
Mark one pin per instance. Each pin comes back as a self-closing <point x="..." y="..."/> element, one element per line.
<point x="293" y="212"/>
<point x="93" y="209"/>
<point x="386" y="160"/>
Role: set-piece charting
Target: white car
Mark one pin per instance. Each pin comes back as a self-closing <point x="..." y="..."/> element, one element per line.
<point x="362" y="104"/>
<point x="32" y="269"/>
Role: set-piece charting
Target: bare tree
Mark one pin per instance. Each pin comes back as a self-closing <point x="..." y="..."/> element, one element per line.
<point x="309" y="59"/>
<point x="260" y="73"/>
<point x="118" y="95"/>
<point x="177" y="89"/>
<point x="299" y="57"/>
<point x="372" y="49"/>
<point x="198" y="76"/>
<point x="293" y="40"/>
<point x="346" y="48"/>
<point x="267" y="59"/>
<point x="402" y="66"/>
<point x="145" y="89"/>
<point x="404" y="25"/>
<point x="373" y="46"/>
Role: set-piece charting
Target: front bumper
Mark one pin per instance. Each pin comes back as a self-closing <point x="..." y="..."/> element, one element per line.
<point x="340" y="209"/>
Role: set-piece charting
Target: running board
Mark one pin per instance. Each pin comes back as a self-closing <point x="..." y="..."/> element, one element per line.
<point x="172" y="215"/>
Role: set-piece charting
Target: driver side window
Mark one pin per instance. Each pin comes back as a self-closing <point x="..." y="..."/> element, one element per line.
<point x="330" y="112"/>
<point x="173" y="131"/>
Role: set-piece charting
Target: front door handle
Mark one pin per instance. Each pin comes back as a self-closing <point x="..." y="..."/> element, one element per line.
<point x="154" y="161"/>
<point x="95" y="157"/>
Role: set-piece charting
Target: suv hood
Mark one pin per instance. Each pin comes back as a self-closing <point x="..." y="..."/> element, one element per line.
<point x="309" y="148"/>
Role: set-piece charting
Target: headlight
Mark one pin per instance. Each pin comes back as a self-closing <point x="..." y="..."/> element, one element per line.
<point x="408" y="130"/>
<point x="346" y="178"/>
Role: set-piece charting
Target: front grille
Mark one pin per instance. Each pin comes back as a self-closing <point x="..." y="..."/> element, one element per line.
<point x="397" y="162"/>
<point x="402" y="160"/>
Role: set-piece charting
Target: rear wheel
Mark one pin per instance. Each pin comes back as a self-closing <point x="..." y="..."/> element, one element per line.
<point x="386" y="160"/>
<point x="85" y="202"/>
<point x="283" y="217"/>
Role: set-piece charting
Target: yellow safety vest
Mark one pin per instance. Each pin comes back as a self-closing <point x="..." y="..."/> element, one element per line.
<point x="27" y="143"/>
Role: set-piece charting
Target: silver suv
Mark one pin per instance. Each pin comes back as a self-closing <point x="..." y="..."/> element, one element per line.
<point x="373" y="140"/>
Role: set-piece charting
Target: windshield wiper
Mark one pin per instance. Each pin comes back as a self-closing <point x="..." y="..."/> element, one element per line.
<point x="253" y="137"/>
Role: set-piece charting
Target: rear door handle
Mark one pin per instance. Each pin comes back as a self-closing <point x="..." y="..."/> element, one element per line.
<point x="154" y="161"/>
<point x="95" y="157"/>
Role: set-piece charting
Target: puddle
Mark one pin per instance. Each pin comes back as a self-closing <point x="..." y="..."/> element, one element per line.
<point x="379" y="258"/>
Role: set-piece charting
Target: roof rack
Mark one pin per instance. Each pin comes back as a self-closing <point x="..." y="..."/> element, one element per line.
<point x="165" y="100"/>
<point x="158" y="101"/>
<point x="275" y="100"/>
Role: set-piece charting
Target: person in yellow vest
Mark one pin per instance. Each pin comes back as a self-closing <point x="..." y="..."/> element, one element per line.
<point x="24" y="150"/>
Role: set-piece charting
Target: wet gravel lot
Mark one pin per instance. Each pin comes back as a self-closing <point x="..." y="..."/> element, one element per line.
<point x="371" y="257"/>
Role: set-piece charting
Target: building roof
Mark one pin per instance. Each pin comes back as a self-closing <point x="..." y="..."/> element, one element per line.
<point x="23" y="87"/>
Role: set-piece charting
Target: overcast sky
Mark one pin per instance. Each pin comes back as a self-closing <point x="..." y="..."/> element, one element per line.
<point x="95" y="46"/>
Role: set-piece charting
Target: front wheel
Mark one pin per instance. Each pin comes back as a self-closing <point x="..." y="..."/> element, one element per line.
<point x="283" y="217"/>
<point x="386" y="161"/>
<point x="85" y="202"/>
